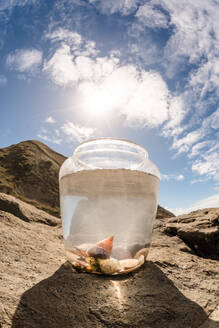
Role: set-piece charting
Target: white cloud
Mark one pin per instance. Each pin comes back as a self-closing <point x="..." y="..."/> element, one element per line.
<point x="208" y="165"/>
<point x="50" y="119"/>
<point x="151" y="17"/>
<point x="143" y="101"/>
<point x="98" y="82"/>
<point x="147" y="104"/>
<point x="180" y="177"/>
<point x="183" y="144"/>
<point x="9" y="4"/>
<point x="99" y="87"/>
<point x="68" y="66"/>
<point x="203" y="81"/>
<point x="209" y="202"/>
<point x="72" y="38"/>
<point x="47" y="138"/>
<point x="3" y="80"/>
<point x="61" y="67"/>
<point x="77" y="132"/>
<point x="109" y="7"/>
<point x="77" y="44"/>
<point x="198" y="148"/>
<point x="167" y="177"/>
<point x="212" y="121"/>
<point x="24" y="60"/>
<point x="176" y="115"/>
<point x="196" y="26"/>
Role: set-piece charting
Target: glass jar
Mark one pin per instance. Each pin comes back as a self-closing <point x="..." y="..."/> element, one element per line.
<point x="108" y="195"/>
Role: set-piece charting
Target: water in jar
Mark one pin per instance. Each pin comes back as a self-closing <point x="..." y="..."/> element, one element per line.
<point x="108" y="208"/>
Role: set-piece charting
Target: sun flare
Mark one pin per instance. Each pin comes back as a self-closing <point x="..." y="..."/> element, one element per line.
<point x="96" y="99"/>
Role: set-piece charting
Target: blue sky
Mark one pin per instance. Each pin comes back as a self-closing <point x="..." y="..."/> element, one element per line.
<point x="143" y="70"/>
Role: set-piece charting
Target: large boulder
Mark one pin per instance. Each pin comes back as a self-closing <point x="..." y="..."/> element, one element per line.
<point x="198" y="229"/>
<point x="38" y="288"/>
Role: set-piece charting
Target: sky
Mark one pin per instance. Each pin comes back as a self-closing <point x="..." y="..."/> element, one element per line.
<point x="143" y="70"/>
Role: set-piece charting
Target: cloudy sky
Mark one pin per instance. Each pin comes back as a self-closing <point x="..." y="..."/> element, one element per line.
<point x="144" y="70"/>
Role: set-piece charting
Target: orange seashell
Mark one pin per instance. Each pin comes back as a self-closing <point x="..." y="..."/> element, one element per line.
<point x="106" y="244"/>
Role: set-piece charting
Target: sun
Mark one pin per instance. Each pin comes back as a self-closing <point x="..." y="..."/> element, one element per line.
<point x="96" y="100"/>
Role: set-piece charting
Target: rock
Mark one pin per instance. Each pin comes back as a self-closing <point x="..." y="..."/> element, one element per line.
<point x="120" y="253"/>
<point x="25" y="211"/>
<point x="98" y="252"/>
<point x="199" y="230"/>
<point x="128" y="264"/>
<point x="102" y="249"/>
<point x="162" y="213"/>
<point x="173" y="289"/>
<point x="109" y="266"/>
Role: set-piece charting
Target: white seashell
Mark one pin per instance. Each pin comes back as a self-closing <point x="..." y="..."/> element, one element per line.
<point x="141" y="259"/>
<point x="85" y="247"/>
<point x="129" y="263"/>
<point x="109" y="266"/>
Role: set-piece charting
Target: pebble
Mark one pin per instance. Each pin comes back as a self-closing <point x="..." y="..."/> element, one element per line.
<point x="120" y="253"/>
<point x="98" y="252"/>
<point x="128" y="264"/>
<point x="109" y="266"/>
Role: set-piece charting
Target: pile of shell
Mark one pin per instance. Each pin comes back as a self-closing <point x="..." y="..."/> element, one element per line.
<point x="101" y="258"/>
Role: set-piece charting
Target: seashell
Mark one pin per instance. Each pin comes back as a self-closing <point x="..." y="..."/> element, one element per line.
<point x="79" y="252"/>
<point x="141" y="260"/>
<point x="109" y="266"/>
<point x="92" y="264"/>
<point x="129" y="263"/>
<point x="143" y="251"/>
<point x="71" y="256"/>
<point x="120" y="253"/>
<point x="98" y="252"/>
<point x="106" y="244"/>
<point x="84" y="247"/>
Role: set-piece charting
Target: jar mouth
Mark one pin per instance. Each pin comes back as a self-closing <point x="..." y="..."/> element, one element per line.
<point x="110" y="153"/>
<point x="113" y="139"/>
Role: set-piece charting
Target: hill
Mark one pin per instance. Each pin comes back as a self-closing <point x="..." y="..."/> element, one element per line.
<point x="29" y="171"/>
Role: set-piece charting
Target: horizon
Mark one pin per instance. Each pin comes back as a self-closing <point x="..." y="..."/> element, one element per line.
<point x="146" y="71"/>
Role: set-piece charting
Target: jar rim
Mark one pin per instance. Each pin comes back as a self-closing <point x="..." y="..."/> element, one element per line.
<point x="112" y="138"/>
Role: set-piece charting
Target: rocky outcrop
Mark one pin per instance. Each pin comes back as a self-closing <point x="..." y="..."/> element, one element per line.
<point x="38" y="288"/>
<point x="25" y="211"/>
<point x="199" y="230"/>
<point x="162" y="213"/>
<point x="29" y="171"/>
